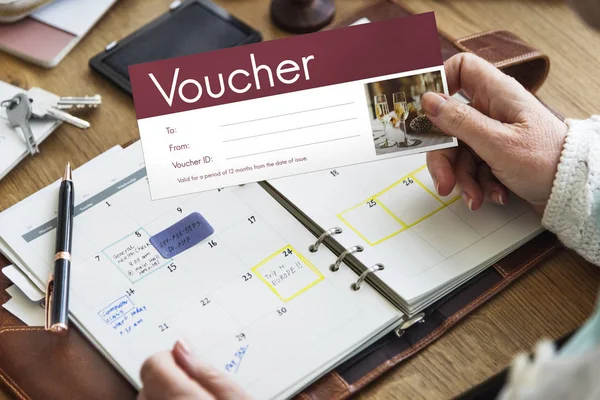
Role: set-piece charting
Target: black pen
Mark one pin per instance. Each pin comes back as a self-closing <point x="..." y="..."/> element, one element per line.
<point x="57" y="293"/>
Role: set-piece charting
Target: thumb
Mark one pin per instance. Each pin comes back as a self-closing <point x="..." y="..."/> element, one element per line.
<point x="215" y="381"/>
<point x="480" y="132"/>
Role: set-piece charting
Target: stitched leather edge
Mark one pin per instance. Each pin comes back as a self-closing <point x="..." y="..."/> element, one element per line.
<point x="12" y="386"/>
<point x="4" y="377"/>
<point x="342" y="381"/>
<point x="531" y="56"/>
<point x="480" y="34"/>
<point x="449" y="322"/>
<point x="20" y="329"/>
<point x="345" y="388"/>
<point x="500" y="269"/>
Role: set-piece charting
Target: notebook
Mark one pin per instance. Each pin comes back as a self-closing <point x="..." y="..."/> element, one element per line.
<point x="251" y="297"/>
<point x="389" y="213"/>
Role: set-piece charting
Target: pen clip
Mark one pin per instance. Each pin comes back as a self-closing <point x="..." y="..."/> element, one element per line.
<point x="49" y="289"/>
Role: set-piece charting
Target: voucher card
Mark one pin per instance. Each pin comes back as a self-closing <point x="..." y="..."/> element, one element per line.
<point x="289" y="106"/>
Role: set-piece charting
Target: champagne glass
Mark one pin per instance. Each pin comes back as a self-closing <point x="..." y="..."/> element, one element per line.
<point x="416" y="93"/>
<point x="382" y="112"/>
<point x="401" y="109"/>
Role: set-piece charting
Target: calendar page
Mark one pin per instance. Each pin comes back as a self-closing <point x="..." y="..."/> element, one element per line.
<point x="249" y="297"/>
<point x="392" y="209"/>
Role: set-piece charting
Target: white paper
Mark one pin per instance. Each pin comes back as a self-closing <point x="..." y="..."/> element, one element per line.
<point x="73" y="16"/>
<point x="272" y="137"/>
<point x="392" y="209"/>
<point x="21" y="280"/>
<point x="250" y="292"/>
<point x="30" y="312"/>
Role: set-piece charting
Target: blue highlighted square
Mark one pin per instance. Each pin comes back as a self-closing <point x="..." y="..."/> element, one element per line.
<point x="182" y="235"/>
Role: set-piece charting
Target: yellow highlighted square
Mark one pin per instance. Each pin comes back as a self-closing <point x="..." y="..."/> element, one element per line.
<point x="287" y="273"/>
<point x="372" y="221"/>
<point x="402" y="205"/>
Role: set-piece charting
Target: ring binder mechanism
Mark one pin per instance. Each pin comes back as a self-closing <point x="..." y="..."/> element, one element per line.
<point x="417" y="318"/>
<point x="313" y="248"/>
<point x="354" y="249"/>
<point x="372" y="269"/>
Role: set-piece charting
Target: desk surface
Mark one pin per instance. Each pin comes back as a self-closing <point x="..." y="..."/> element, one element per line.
<point x="550" y="301"/>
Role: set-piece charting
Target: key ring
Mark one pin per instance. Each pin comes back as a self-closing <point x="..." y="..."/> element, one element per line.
<point x="10" y="103"/>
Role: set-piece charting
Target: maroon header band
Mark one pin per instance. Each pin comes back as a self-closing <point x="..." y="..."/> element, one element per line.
<point x="285" y="65"/>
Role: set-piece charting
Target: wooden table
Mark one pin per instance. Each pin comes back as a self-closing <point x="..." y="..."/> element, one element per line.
<point x="549" y="302"/>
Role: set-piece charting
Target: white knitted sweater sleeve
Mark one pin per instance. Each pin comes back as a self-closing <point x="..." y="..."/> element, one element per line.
<point x="573" y="210"/>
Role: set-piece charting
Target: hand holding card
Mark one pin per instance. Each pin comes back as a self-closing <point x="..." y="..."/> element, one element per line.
<point x="286" y="107"/>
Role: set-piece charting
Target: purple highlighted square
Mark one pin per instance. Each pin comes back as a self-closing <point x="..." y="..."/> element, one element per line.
<point x="182" y="235"/>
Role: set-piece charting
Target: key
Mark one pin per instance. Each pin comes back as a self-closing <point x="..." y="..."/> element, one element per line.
<point x="18" y="111"/>
<point x="66" y="103"/>
<point x="66" y="117"/>
<point x="43" y="105"/>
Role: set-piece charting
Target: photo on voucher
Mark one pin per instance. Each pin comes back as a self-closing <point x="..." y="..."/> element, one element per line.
<point x="398" y="122"/>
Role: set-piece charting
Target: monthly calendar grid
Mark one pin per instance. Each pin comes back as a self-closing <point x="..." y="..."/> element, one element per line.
<point x="375" y="200"/>
<point x="218" y="294"/>
<point x="167" y="320"/>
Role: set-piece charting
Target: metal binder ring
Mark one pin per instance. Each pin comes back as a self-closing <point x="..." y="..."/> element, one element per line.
<point x="313" y="248"/>
<point x="354" y="249"/>
<point x="363" y="276"/>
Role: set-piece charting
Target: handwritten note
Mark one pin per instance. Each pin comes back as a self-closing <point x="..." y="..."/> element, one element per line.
<point x="233" y="365"/>
<point x="116" y="309"/>
<point x="135" y="256"/>
<point x="288" y="273"/>
<point x="182" y="235"/>
<point x="123" y="316"/>
<point x="132" y="320"/>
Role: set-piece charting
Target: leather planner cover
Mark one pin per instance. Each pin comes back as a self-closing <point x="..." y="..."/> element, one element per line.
<point x="38" y="365"/>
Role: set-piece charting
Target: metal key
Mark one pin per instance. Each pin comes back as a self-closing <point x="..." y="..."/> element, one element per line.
<point x="18" y="111"/>
<point x="66" y="103"/>
<point x="45" y="104"/>
<point x="66" y="117"/>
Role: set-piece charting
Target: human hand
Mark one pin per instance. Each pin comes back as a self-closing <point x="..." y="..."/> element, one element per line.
<point x="507" y="138"/>
<point x="179" y="374"/>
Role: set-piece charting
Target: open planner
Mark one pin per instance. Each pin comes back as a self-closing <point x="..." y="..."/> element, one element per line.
<point x="298" y="275"/>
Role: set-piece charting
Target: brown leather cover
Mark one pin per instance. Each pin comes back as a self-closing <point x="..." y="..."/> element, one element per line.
<point x="500" y="47"/>
<point x="38" y="365"/>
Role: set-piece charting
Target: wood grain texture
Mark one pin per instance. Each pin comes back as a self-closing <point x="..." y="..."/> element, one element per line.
<point x="549" y="302"/>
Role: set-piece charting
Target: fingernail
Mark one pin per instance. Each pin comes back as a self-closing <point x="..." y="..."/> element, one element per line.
<point x="498" y="198"/>
<point x="468" y="200"/>
<point x="432" y="103"/>
<point x="436" y="184"/>
<point x="183" y="347"/>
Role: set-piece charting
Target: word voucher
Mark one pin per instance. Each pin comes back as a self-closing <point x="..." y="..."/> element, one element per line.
<point x="289" y="106"/>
